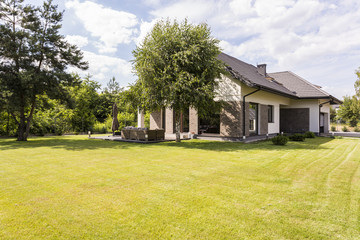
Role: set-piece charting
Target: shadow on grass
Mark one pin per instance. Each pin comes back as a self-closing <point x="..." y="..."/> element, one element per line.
<point x="78" y="144"/>
<point x="263" y="145"/>
<point x="68" y="143"/>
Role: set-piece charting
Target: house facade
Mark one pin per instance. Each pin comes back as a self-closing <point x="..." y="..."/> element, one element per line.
<point x="256" y="103"/>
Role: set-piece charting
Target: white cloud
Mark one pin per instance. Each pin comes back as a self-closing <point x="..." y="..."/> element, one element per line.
<point x="102" y="68"/>
<point x="145" y="28"/>
<point x="77" y="40"/>
<point x="110" y="26"/>
<point x="317" y="39"/>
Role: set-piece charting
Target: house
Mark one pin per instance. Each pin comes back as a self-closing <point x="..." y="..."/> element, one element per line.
<point x="257" y="103"/>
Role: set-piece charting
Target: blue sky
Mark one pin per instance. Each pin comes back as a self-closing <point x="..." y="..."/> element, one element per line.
<point x="318" y="40"/>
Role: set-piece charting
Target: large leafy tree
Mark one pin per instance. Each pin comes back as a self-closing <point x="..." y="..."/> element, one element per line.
<point x="350" y="109"/>
<point x="177" y="65"/>
<point x="33" y="58"/>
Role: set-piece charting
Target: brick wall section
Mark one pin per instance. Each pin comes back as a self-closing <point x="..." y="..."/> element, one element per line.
<point x="169" y="118"/>
<point x="294" y="120"/>
<point x="263" y="119"/>
<point x="193" y="121"/>
<point x="231" y="119"/>
<point x="155" y="120"/>
<point x="247" y="122"/>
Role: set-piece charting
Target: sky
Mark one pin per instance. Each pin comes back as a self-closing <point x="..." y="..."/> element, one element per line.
<point x="318" y="40"/>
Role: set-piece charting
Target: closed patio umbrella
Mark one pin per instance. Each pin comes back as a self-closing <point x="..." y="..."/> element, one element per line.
<point x="115" y="122"/>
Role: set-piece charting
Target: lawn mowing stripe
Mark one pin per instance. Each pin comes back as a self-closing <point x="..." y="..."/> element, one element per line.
<point x="318" y="159"/>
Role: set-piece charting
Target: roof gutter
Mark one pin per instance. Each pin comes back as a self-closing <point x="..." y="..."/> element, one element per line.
<point x="243" y="110"/>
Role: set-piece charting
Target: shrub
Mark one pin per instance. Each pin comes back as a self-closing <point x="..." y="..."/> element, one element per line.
<point x="297" y="137"/>
<point x="345" y="129"/>
<point x="333" y="128"/>
<point x="309" y="134"/>
<point x="356" y="129"/>
<point x="280" y="140"/>
<point x="99" y="127"/>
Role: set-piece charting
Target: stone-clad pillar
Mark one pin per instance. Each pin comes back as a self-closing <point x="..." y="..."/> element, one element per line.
<point x="193" y="121"/>
<point x="263" y="119"/>
<point x="155" y="120"/>
<point x="231" y="119"/>
<point x="141" y="119"/>
<point x="169" y="118"/>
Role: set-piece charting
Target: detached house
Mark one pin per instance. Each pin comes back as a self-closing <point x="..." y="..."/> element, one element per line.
<point x="258" y="103"/>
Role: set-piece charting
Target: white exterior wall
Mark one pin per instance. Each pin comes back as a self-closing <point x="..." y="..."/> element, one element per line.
<point x="313" y="105"/>
<point x="326" y="109"/>
<point x="267" y="98"/>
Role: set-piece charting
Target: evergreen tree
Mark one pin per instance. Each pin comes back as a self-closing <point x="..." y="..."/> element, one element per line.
<point x="33" y="58"/>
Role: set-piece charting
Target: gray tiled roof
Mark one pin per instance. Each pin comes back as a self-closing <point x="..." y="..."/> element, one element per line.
<point x="301" y="87"/>
<point x="249" y="75"/>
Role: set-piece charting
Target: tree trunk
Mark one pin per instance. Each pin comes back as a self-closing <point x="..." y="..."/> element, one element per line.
<point x="21" y="127"/>
<point x="29" y="118"/>
<point x="177" y="125"/>
<point x="24" y="123"/>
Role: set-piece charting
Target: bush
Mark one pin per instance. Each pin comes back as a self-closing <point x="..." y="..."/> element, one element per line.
<point x="356" y="129"/>
<point x="280" y="140"/>
<point x="345" y="129"/>
<point x="99" y="127"/>
<point x="297" y="137"/>
<point x="309" y="134"/>
<point x="333" y="128"/>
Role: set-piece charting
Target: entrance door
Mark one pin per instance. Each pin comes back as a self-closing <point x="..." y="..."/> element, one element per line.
<point x="253" y="118"/>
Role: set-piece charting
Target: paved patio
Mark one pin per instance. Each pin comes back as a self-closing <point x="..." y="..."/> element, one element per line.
<point x="184" y="136"/>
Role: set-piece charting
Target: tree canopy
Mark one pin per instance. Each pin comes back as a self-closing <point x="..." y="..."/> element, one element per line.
<point x="34" y="57"/>
<point x="350" y="109"/>
<point x="177" y="67"/>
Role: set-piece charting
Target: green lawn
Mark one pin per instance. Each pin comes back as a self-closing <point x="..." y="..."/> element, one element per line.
<point x="75" y="188"/>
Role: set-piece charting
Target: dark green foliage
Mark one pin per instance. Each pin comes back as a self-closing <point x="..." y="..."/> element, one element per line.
<point x="309" y="134"/>
<point x="344" y="129"/>
<point x="333" y="128"/>
<point x="332" y="115"/>
<point x="177" y="66"/>
<point x="34" y="58"/>
<point x="356" y="129"/>
<point x="297" y="137"/>
<point x="280" y="140"/>
<point x="350" y="110"/>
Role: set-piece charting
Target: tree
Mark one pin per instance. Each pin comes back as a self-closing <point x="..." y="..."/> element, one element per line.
<point x="85" y="98"/>
<point x="33" y="58"/>
<point x="350" y="110"/>
<point x="357" y="83"/>
<point x="107" y="98"/>
<point x="177" y="67"/>
<point x="332" y="115"/>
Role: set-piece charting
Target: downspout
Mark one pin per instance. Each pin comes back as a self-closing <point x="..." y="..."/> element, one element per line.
<point x="320" y="105"/>
<point x="243" y="110"/>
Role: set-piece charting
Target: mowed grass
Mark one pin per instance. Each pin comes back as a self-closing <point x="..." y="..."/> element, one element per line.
<point x="75" y="188"/>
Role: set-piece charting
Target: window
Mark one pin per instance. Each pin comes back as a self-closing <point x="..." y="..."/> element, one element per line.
<point x="270" y="113"/>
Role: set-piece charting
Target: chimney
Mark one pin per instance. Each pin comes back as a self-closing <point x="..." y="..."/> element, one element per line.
<point x="261" y="68"/>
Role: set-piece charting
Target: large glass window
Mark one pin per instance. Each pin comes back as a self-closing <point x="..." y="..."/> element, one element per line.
<point x="253" y="118"/>
<point x="270" y="113"/>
